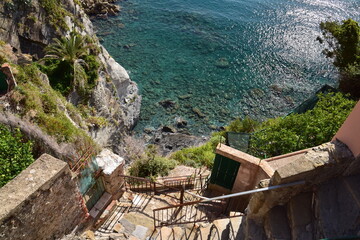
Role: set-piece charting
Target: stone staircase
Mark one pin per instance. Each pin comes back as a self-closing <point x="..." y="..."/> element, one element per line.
<point x="329" y="210"/>
<point x="220" y="229"/>
<point x="131" y="216"/>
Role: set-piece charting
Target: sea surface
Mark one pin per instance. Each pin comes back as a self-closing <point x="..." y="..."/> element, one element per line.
<point x="210" y="61"/>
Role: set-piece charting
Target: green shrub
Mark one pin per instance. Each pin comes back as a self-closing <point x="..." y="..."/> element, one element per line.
<point x="198" y="156"/>
<point x="247" y="125"/>
<point x="91" y="70"/>
<point x="151" y="164"/>
<point x="97" y="121"/>
<point x="15" y="154"/>
<point x="344" y="41"/>
<point x="60" y="75"/>
<point x="43" y="103"/>
<point x="58" y="126"/>
<point x="299" y="131"/>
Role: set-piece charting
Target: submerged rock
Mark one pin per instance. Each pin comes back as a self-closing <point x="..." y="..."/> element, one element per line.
<point x="222" y="63"/>
<point x="168" y="103"/>
<point x="198" y="112"/>
<point x="180" y="122"/>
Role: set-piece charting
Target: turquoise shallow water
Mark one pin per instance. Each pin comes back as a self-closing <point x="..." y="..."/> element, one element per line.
<point x="219" y="59"/>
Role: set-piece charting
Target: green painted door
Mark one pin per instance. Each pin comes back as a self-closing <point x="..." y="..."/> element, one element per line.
<point x="94" y="194"/>
<point x="224" y="172"/>
<point x="3" y="83"/>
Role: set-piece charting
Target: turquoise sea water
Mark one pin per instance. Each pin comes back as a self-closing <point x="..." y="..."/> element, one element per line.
<point x="220" y="59"/>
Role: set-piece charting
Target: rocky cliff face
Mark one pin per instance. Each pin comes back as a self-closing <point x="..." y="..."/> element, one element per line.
<point x="29" y="25"/>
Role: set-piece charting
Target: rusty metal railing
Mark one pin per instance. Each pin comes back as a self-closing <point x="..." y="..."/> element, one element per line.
<point x="206" y="209"/>
<point x="138" y="184"/>
<point x="190" y="212"/>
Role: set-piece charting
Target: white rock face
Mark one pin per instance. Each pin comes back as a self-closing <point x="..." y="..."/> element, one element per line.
<point x="108" y="161"/>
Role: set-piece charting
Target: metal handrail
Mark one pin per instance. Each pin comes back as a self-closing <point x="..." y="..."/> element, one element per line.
<point x="176" y="209"/>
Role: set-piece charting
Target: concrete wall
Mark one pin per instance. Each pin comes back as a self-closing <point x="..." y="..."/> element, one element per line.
<point x="42" y="202"/>
<point x="349" y="132"/>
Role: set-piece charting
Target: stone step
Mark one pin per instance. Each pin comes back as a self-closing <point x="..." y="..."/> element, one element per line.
<point x="178" y="233"/>
<point x="338" y="207"/>
<point x="276" y="224"/>
<point x="222" y="226"/>
<point x="190" y="233"/>
<point x="300" y="216"/>
<point x="165" y="233"/>
<point x="204" y="232"/>
<point x="100" y="206"/>
<point x="235" y="223"/>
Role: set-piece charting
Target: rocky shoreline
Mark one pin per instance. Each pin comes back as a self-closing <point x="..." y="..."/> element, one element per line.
<point x="100" y="8"/>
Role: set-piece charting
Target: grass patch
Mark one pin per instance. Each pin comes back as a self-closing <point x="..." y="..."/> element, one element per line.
<point x="56" y="13"/>
<point x="42" y="105"/>
<point x="151" y="165"/>
<point x="198" y="156"/>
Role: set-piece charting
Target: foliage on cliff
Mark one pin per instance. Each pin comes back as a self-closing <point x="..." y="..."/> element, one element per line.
<point x="71" y="64"/>
<point x="198" y="156"/>
<point x="35" y="101"/>
<point x="344" y="42"/>
<point x="299" y="131"/>
<point x="15" y="154"/>
<point x="279" y="135"/>
<point x="150" y="164"/>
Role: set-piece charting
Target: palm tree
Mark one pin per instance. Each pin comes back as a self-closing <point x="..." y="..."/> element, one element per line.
<point x="71" y="49"/>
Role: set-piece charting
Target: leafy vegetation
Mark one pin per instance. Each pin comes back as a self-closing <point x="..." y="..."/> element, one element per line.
<point x="279" y="135"/>
<point x="299" y="131"/>
<point x="71" y="64"/>
<point x="15" y="154"/>
<point x="199" y="156"/>
<point x="151" y="165"/>
<point x="344" y="41"/>
<point x="41" y="104"/>
<point x="56" y="13"/>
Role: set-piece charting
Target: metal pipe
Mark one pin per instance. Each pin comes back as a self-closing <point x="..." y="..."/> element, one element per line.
<point x="195" y="195"/>
<point x="253" y="191"/>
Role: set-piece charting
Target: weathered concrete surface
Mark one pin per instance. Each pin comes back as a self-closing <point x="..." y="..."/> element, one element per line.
<point x="282" y="160"/>
<point x="113" y="167"/>
<point x="276" y="224"/>
<point x="301" y="216"/>
<point x="317" y="165"/>
<point x="42" y="202"/>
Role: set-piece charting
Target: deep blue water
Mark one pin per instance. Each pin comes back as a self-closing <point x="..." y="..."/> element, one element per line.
<point x="222" y="58"/>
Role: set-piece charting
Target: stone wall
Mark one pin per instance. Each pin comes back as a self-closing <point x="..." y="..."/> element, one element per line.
<point x="42" y="202"/>
<point x="325" y="206"/>
<point x="112" y="166"/>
